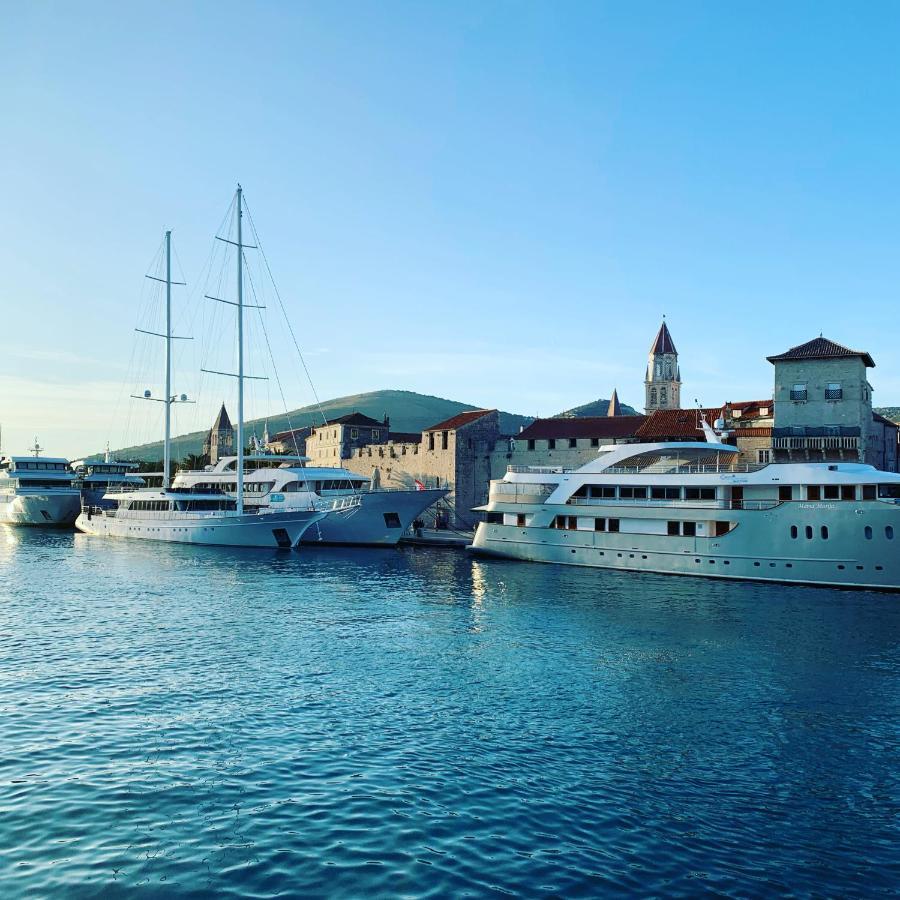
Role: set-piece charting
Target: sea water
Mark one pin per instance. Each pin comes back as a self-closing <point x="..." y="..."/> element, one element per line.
<point x="341" y="722"/>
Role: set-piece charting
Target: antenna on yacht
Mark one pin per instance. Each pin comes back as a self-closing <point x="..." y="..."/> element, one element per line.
<point x="36" y="450"/>
<point x="169" y="337"/>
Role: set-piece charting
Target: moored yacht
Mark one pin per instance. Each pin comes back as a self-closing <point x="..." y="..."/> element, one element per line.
<point x="203" y="516"/>
<point x="693" y="509"/>
<point x="38" y="490"/>
<point x="96" y="478"/>
<point x="273" y="482"/>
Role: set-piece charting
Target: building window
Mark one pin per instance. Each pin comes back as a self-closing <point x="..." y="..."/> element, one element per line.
<point x="531" y="445"/>
<point x="595" y="442"/>
<point x="551" y="444"/>
<point x="663" y="396"/>
<point x="573" y="442"/>
<point x="431" y="440"/>
<point x="445" y="440"/>
<point x="354" y="433"/>
<point x="798" y="392"/>
<point x="834" y="391"/>
<point x="376" y="434"/>
<point x="764" y="456"/>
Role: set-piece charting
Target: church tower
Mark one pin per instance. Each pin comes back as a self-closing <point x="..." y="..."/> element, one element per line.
<point x="663" y="381"/>
<point x="220" y="440"/>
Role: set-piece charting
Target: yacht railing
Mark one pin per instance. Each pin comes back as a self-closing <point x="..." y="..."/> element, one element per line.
<point x="684" y="469"/>
<point x="540" y="470"/>
<point x="339" y="504"/>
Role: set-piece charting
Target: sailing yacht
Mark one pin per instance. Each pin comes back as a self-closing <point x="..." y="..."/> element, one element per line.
<point x="692" y="508"/>
<point x="202" y="516"/>
<point x="38" y="490"/>
<point x="380" y="516"/>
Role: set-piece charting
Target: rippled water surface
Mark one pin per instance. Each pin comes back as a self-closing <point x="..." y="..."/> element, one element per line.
<point x="419" y="723"/>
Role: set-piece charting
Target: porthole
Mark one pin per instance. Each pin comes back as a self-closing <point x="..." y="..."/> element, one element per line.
<point x="859" y="568"/>
<point x="696" y="560"/>
<point x="841" y="567"/>
<point x="794" y="532"/>
<point x="726" y="563"/>
<point x="824" y="532"/>
<point x="789" y="565"/>
<point x="879" y="568"/>
<point x="889" y="532"/>
<point x="712" y="562"/>
<point x="868" y="532"/>
<point x="756" y="564"/>
<point x="771" y="565"/>
<point x="809" y="532"/>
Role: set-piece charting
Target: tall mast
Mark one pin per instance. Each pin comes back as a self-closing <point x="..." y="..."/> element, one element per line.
<point x="240" y="338"/>
<point x="168" y="398"/>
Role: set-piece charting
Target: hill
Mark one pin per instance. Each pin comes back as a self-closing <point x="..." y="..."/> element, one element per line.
<point x="594" y="408"/>
<point x="890" y="412"/>
<point x="407" y="410"/>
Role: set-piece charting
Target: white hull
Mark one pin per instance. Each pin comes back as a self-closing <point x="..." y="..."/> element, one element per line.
<point x="51" y="509"/>
<point x="265" y="530"/>
<point x="374" y="522"/>
<point x="760" y="548"/>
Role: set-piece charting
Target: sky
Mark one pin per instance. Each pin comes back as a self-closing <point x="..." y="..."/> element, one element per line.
<point x="494" y="202"/>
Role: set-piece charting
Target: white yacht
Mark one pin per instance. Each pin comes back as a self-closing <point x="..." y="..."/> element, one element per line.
<point x="285" y="482"/>
<point x="693" y="509"/>
<point x="38" y="490"/>
<point x="96" y="478"/>
<point x="207" y="516"/>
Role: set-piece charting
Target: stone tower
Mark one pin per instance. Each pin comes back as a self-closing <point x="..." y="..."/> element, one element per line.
<point x="220" y="440"/>
<point x="663" y="381"/>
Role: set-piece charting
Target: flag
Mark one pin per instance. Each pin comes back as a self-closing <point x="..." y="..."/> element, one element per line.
<point x="419" y="485"/>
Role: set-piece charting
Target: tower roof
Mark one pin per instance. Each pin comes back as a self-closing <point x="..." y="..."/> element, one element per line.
<point x="614" y="408"/>
<point x="222" y="421"/>
<point x="822" y="348"/>
<point x="663" y="342"/>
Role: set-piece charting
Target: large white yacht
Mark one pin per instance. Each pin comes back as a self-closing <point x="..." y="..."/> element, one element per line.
<point x="37" y="490"/>
<point x="693" y="509"/>
<point x="207" y="516"/>
<point x="96" y="478"/>
<point x="285" y="482"/>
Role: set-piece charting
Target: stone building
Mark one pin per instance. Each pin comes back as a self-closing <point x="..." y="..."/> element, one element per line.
<point x="455" y="454"/>
<point x="220" y="439"/>
<point x="662" y="384"/>
<point x="823" y="407"/>
<point x="328" y="444"/>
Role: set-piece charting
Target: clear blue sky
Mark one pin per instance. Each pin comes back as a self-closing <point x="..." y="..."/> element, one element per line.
<point x="494" y="202"/>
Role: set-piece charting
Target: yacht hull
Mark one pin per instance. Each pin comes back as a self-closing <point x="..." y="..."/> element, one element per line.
<point x="380" y="520"/>
<point x="58" y="509"/>
<point x="759" y="548"/>
<point x="265" y="530"/>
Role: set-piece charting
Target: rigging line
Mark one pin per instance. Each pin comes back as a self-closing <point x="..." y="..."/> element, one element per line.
<point x="271" y="357"/>
<point x="284" y="313"/>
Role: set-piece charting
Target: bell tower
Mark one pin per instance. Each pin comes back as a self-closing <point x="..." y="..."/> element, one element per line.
<point x="663" y="381"/>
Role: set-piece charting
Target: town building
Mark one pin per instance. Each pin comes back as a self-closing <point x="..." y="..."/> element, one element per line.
<point x="328" y="444"/>
<point x="662" y="384"/>
<point x="823" y="407"/>
<point x="220" y="439"/>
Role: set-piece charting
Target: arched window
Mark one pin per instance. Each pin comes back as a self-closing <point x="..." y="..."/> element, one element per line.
<point x="653" y="396"/>
<point x="662" y="397"/>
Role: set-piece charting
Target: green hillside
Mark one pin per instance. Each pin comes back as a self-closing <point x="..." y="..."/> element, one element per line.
<point x="890" y="412"/>
<point x="407" y="410"/>
<point x="594" y="408"/>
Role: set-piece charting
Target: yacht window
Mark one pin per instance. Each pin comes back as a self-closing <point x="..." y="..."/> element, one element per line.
<point x="824" y="532"/>
<point x="673" y="528"/>
<point x="809" y="532"/>
<point x="868" y="532"/>
<point x="599" y="524"/>
<point x="848" y="492"/>
<point x="869" y="492"/>
<point x="633" y="493"/>
<point x="494" y="518"/>
<point x="785" y="492"/>
<point x="612" y="524"/>
<point x="689" y="529"/>
<point x="831" y="492"/>
<point x="722" y="528"/>
<point x="520" y="520"/>
<point x="665" y="493"/>
<point x="581" y="492"/>
<point x="813" y="492"/>
<point x="606" y="492"/>
<point x="794" y="532"/>
<point x="889" y="532"/>
<point x="889" y="491"/>
<point x="693" y="493"/>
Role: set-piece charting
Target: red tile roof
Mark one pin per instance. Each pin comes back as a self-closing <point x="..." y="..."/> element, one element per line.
<point x="463" y="418"/>
<point x="761" y="431"/>
<point x="582" y="427"/>
<point x="822" y="348"/>
<point x="663" y="342"/>
<point x="676" y="424"/>
<point x="752" y="409"/>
